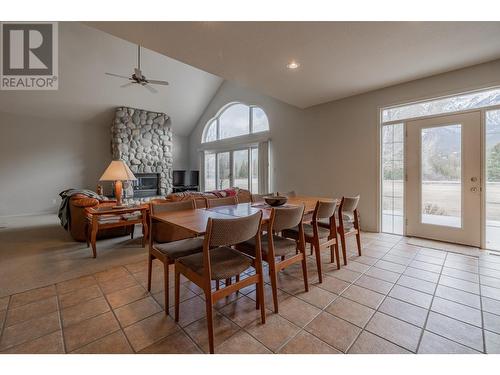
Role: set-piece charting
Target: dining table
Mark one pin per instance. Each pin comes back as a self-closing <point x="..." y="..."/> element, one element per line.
<point x="196" y="220"/>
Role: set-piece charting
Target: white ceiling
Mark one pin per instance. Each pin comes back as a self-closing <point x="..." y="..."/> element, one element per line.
<point x="338" y="59"/>
<point x="86" y="94"/>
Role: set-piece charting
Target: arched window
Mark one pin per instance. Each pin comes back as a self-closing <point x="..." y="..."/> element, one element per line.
<point x="235" y="120"/>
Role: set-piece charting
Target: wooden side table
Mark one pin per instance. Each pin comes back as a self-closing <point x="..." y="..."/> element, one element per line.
<point x="95" y="221"/>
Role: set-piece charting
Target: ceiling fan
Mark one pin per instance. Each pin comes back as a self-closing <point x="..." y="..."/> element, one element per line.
<point x="139" y="78"/>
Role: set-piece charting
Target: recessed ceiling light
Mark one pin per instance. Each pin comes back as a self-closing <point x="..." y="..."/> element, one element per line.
<point x="292" y="65"/>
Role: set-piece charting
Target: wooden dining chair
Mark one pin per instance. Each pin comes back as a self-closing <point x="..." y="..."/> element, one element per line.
<point x="220" y="261"/>
<point x="349" y="223"/>
<point x="319" y="234"/>
<point x="226" y="201"/>
<point x="280" y="252"/>
<point x="168" y="242"/>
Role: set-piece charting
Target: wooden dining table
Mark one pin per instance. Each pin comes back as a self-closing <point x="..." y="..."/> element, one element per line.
<point x="196" y="220"/>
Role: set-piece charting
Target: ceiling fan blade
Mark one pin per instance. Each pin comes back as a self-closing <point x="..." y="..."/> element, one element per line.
<point x="138" y="73"/>
<point x="156" y="82"/>
<point x="127" y="84"/>
<point x="150" y="88"/>
<point x="116" y="75"/>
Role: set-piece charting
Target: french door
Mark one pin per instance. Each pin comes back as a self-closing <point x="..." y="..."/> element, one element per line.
<point x="443" y="189"/>
<point x="235" y="168"/>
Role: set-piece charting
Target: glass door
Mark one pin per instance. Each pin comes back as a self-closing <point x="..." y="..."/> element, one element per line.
<point x="223" y="170"/>
<point x="443" y="197"/>
<point x="492" y="173"/>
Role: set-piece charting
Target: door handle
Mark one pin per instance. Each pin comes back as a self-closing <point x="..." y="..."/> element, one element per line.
<point x="473" y="189"/>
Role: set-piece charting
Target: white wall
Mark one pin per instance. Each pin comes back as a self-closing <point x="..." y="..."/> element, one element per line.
<point x="54" y="140"/>
<point x="332" y="149"/>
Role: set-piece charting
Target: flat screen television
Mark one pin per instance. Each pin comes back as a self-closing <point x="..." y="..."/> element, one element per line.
<point x="179" y="178"/>
<point x="195" y="178"/>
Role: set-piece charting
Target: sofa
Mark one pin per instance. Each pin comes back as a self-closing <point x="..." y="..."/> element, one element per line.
<point x="244" y="196"/>
<point x="78" y="222"/>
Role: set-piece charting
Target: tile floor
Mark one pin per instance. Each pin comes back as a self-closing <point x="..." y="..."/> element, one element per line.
<point x="396" y="298"/>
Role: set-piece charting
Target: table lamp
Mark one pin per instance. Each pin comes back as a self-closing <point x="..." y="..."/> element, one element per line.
<point x="117" y="172"/>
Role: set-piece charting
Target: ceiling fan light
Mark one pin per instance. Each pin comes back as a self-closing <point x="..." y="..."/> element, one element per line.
<point x="292" y="65"/>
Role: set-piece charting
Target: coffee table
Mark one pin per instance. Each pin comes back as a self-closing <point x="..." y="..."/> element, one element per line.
<point x="103" y="217"/>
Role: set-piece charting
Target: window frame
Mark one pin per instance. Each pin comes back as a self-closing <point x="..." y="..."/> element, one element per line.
<point x="221" y="112"/>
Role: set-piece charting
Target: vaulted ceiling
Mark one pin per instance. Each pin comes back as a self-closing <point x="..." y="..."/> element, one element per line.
<point x="338" y="59"/>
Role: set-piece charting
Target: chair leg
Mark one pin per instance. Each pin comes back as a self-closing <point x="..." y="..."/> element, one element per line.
<point x="132" y="232"/>
<point x="166" y="286"/>
<point x="332" y="253"/>
<point x="274" y="284"/>
<point x="304" y="273"/>
<point x="358" y="241"/>
<point x="217" y="285"/>
<point x="337" y="255"/>
<point x="317" y="249"/>
<point x="228" y="281"/>
<point x="344" y="250"/>
<point x="210" y="323"/>
<point x="177" y="293"/>
<point x="237" y="278"/>
<point x="312" y="248"/>
<point x="150" y="270"/>
<point x="260" y="298"/>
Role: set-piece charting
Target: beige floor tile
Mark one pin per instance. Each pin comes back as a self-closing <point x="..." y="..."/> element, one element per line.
<point x="29" y="330"/>
<point x="411" y="296"/>
<point x="79" y="295"/>
<point x="89" y="330"/>
<point x="453" y="282"/>
<point x="459" y="296"/>
<point x="426" y="266"/>
<point x="317" y="297"/>
<point x="75" y="284"/>
<point x="404" y="311"/>
<point x="452" y="329"/>
<point x="31" y="310"/>
<point x="354" y="265"/>
<point x="490" y="305"/>
<point x="381" y="274"/>
<point x="185" y="294"/>
<point x="429" y="259"/>
<point x="48" y="344"/>
<point x="115" y="343"/>
<point x="344" y="274"/>
<point x="459" y="274"/>
<point x="351" y="311"/>
<point x="147" y="331"/>
<point x="363" y="296"/>
<point x="177" y="343"/>
<point x="334" y="331"/>
<point x="111" y="285"/>
<point x="457" y="311"/>
<point x="111" y="274"/>
<point x="241" y="343"/>
<point x="366" y="260"/>
<point x="333" y="285"/>
<point x="434" y="344"/>
<point x="417" y="284"/>
<point x="491" y="322"/>
<point x="305" y="343"/>
<point x="393" y="257"/>
<point x="136" y="311"/>
<point x="274" y="333"/>
<point x="242" y="311"/>
<point x="390" y="266"/>
<point x="223" y="329"/>
<point x="377" y="285"/>
<point x="422" y="274"/>
<point x="126" y="296"/>
<point x="492" y="341"/>
<point x="297" y="311"/>
<point x="368" y="343"/>
<point x="394" y="330"/>
<point x="4" y="302"/>
<point x="490" y="292"/>
<point x="268" y="296"/>
<point x="31" y="296"/>
<point x="490" y="281"/>
<point x="190" y="310"/>
<point x="88" y="309"/>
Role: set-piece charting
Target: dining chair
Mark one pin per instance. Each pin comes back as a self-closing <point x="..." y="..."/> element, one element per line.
<point x="320" y="234"/>
<point x="226" y="201"/>
<point x="276" y="247"/>
<point x="168" y="242"/>
<point x="349" y="223"/>
<point x="219" y="261"/>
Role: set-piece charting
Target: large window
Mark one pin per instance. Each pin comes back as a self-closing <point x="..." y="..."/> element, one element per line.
<point x="492" y="148"/>
<point x="235" y="120"/>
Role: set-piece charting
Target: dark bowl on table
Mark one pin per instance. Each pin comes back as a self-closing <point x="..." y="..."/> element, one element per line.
<point x="276" y="201"/>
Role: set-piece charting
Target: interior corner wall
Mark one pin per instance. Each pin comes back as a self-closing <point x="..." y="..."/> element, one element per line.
<point x="332" y="149"/>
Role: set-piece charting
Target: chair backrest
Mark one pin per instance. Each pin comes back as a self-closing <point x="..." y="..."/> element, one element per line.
<point x="288" y="194"/>
<point x="324" y="210"/>
<point x="286" y="217"/>
<point x="349" y="204"/>
<point x="227" y="201"/>
<point x="163" y="232"/>
<point x="227" y="232"/>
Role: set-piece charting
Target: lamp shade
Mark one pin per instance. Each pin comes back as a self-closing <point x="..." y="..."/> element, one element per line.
<point x="117" y="171"/>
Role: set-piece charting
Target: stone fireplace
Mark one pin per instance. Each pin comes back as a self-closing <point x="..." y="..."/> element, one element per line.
<point x="143" y="140"/>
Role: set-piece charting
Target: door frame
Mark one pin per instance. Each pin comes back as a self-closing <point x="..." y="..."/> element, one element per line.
<point x="381" y="124"/>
